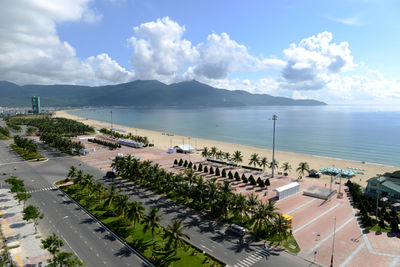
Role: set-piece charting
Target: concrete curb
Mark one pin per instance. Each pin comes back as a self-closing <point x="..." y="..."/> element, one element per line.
<point x="111" y="232"/>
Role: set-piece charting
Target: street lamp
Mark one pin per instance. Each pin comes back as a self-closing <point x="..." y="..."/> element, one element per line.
<point x="380" y="180"/>
<point x="111" y="125"/>
<point x="274" y="118"/>
<point x="333" y="242"/>
<point x="189" y="148"/>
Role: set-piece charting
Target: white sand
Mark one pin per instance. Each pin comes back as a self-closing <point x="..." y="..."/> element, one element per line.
<point x="164" y="141"/>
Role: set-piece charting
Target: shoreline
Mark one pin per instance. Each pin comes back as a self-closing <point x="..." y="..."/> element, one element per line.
<point x="164" y="141"/>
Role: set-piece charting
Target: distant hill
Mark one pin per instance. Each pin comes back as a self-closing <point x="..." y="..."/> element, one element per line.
<point x="140" y="93"/>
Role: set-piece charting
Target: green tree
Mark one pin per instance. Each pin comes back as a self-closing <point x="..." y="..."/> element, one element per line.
<point x="180" y="162"/>
<point x="211" y="170"/>
<point x="254" y="159"/>
<point x="174" y="234"/>
<point x="151" y="221"/>
<point x="23" y="196"/>
<point x="200" y="169"/>
<point x="264" y="163"/>
<point x="135" y="212"/>
<point x="205" y="169"/>
<point x="213" y="152"/>
<point x="65" y="259"/>
<point x="223" y="173"/>
<point x="227" y="156"/>
<point x="217" y="173"/>
<point x="286" y="167"/>
<point x="281" y="228"/>
<point x="72" y="173"/>
<point x="175" y="162"/>
<point x="237" y="157"/>
<point x="205" y="153"/>
<point x="267" y="182"/>
<point x="244" y="178"/>
<point x="52" y="243"/>
<point x="31" y="213"/>
<point x="302" y="167"/>
<point x="230" y="175"/>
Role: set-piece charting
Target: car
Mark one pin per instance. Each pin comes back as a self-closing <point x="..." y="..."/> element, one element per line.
<point x="4" y="173"/>
<point x="110" y="174"/>
<point x="234" y="228"/>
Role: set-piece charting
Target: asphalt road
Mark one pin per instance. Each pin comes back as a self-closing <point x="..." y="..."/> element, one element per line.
<point x="92" y="243"/>
<point x="96" y="247"/>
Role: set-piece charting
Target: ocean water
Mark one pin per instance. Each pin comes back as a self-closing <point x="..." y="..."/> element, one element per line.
<point x="361" y="133"/>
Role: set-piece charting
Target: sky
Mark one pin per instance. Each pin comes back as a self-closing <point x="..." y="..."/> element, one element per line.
<point x="340" y="52"/>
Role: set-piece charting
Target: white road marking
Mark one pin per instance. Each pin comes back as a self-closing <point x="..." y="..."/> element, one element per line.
<point x="352" y="255"/>
<point x="302" y="205"/>
<point x="316" y="218"/>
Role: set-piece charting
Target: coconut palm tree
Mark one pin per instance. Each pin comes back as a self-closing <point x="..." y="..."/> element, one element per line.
<point x="254" y="159"/>
<point x="237" y="157"/>
<point x="79" y="176"/>
<point x="151" y="221"/>
<point x="252" y="201"/>
<point x="275" y="163"/>
<point x="286" y="167"/>
<point x="240" y="206"/>
<point x="174" y="234"/>
<point x="219" y="154"/>
<point x="264" y="163"/>
<point x="72" y="172"/>
<point x="189" y="174"/>
<point x="213" y="152"/>
<point x="135" y="212"/>
<point x="303" y="167"/>
<point x="121" y="204"/>
<point x="281" y="228"/>
<point x="227" y="156"/>
<point x="205" y="153"/>
<point x="112" y="195"/>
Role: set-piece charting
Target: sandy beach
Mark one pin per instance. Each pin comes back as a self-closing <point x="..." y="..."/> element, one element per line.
<point x="164" y="141"/>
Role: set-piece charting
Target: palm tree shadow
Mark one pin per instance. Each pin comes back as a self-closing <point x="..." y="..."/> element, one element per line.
<point x="123" y="252"/>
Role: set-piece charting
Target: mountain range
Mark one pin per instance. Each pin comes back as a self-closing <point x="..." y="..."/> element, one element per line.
<point x="139" y="93"/>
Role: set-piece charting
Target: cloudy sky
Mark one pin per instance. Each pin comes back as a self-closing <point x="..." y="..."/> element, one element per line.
<point x="343" y="51"/>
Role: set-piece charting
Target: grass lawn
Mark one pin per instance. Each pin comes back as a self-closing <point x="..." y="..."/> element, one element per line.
<point x="153" y="249"/>
<point x="376" y="228"/>
<point x="290" y="244"/>
<point x="24" y="154"/>
<point x="2" y="136"/>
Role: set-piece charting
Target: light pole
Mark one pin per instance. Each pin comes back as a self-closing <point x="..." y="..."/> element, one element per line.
<point x="189" y="148"/>
<point x="111" y="125"/>
<point x="274" y="118"/>
<point x="380" y="180"/>
<point x="333" y="242"/>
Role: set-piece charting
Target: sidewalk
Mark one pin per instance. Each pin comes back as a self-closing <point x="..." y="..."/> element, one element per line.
<point x="20" y="236"/>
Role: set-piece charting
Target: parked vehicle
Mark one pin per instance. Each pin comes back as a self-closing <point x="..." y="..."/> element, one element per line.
<point x="110" y="174"/>
<point x="237" y="229"/>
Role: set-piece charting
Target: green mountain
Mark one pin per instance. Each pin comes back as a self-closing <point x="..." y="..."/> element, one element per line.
<point x="140" y="93"/>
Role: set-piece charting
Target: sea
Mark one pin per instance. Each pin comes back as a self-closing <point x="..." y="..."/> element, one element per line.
<point x="360" y="133"/>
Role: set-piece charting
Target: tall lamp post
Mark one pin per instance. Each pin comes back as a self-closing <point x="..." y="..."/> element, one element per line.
<point x="111" y="125"/>
<point x="333" y="242"/>
<point x="274" y="118"/>
<point x="380" y="180"/>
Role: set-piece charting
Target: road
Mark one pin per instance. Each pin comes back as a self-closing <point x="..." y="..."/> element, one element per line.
<point x="92" y="243"/>
<point x="87" y="238"/>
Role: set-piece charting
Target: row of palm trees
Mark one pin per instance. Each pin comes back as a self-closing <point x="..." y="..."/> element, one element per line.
<point x="117" y="204"/>
<point x="214" y="199"/>
<point x="255" y="160"/>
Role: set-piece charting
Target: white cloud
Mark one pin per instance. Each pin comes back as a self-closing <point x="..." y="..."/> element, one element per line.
<point x="312" y="63"/>
<point x="353" y="21"/>
<point x="31" y="51"/>
<point x="159" y="50"/>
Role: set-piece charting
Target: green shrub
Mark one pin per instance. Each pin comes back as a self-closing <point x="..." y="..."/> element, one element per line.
<point x="244" y="178"/>
<point x="267" y="183"/>
<point x="237" y="176"/>
<point x="224" y="173"/>
<point x="252" y="180"/>
<point x="194" y="167"/>
<point x="200" y="169"/>
<point x="217" y="173"/>
<point x="175" y="162"/>
<point x="180" y="162"/>
<point x="185" y="164"/>
<point x="206" y="169"/>
<point x="211" y="170"/>
<point x="190" y="165"/>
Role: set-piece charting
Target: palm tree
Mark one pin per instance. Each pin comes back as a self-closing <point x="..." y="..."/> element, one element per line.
<point x="227" y="156"/>
<point x="174" y="233"/>
<point x="275" y="163"/>
<point x="135" y="212"/>
<point x="112" y="194"/>
<point x="220" y="154"/>
<point x="281" y="228"/>
<point x="252" y="201"/>
<point x="189" y="174"/>
<point x="254" y="159"/>
<point x="237" y="157"/>
<point x="72" y="172"/>
<point x="213" y="152"/>
<point x="240" y="206"/>
<point x="264" y="162"/>
<point x="303" y="166"/>
<point x="151" y="221"/>
<point x="78" y="177"/>
<point x="122" y="202"/>
<point x="205" y="153"/>
<point x="286" y="167"/>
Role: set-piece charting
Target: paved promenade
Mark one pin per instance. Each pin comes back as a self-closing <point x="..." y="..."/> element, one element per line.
<point x="21" y="236"/>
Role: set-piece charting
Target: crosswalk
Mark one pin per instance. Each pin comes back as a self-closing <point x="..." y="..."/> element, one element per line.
<point x="42" y="189"/>
<point x="253" y="258"/>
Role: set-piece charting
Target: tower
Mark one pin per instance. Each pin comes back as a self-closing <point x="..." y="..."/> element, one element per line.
<point x="35" y="105"/>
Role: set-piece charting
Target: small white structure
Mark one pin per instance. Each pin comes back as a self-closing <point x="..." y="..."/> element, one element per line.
<point x="287" y="190"/>
<point x="130" y="143"/>
<point x="171" y="150"/>
<point x="184" y="148"/>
